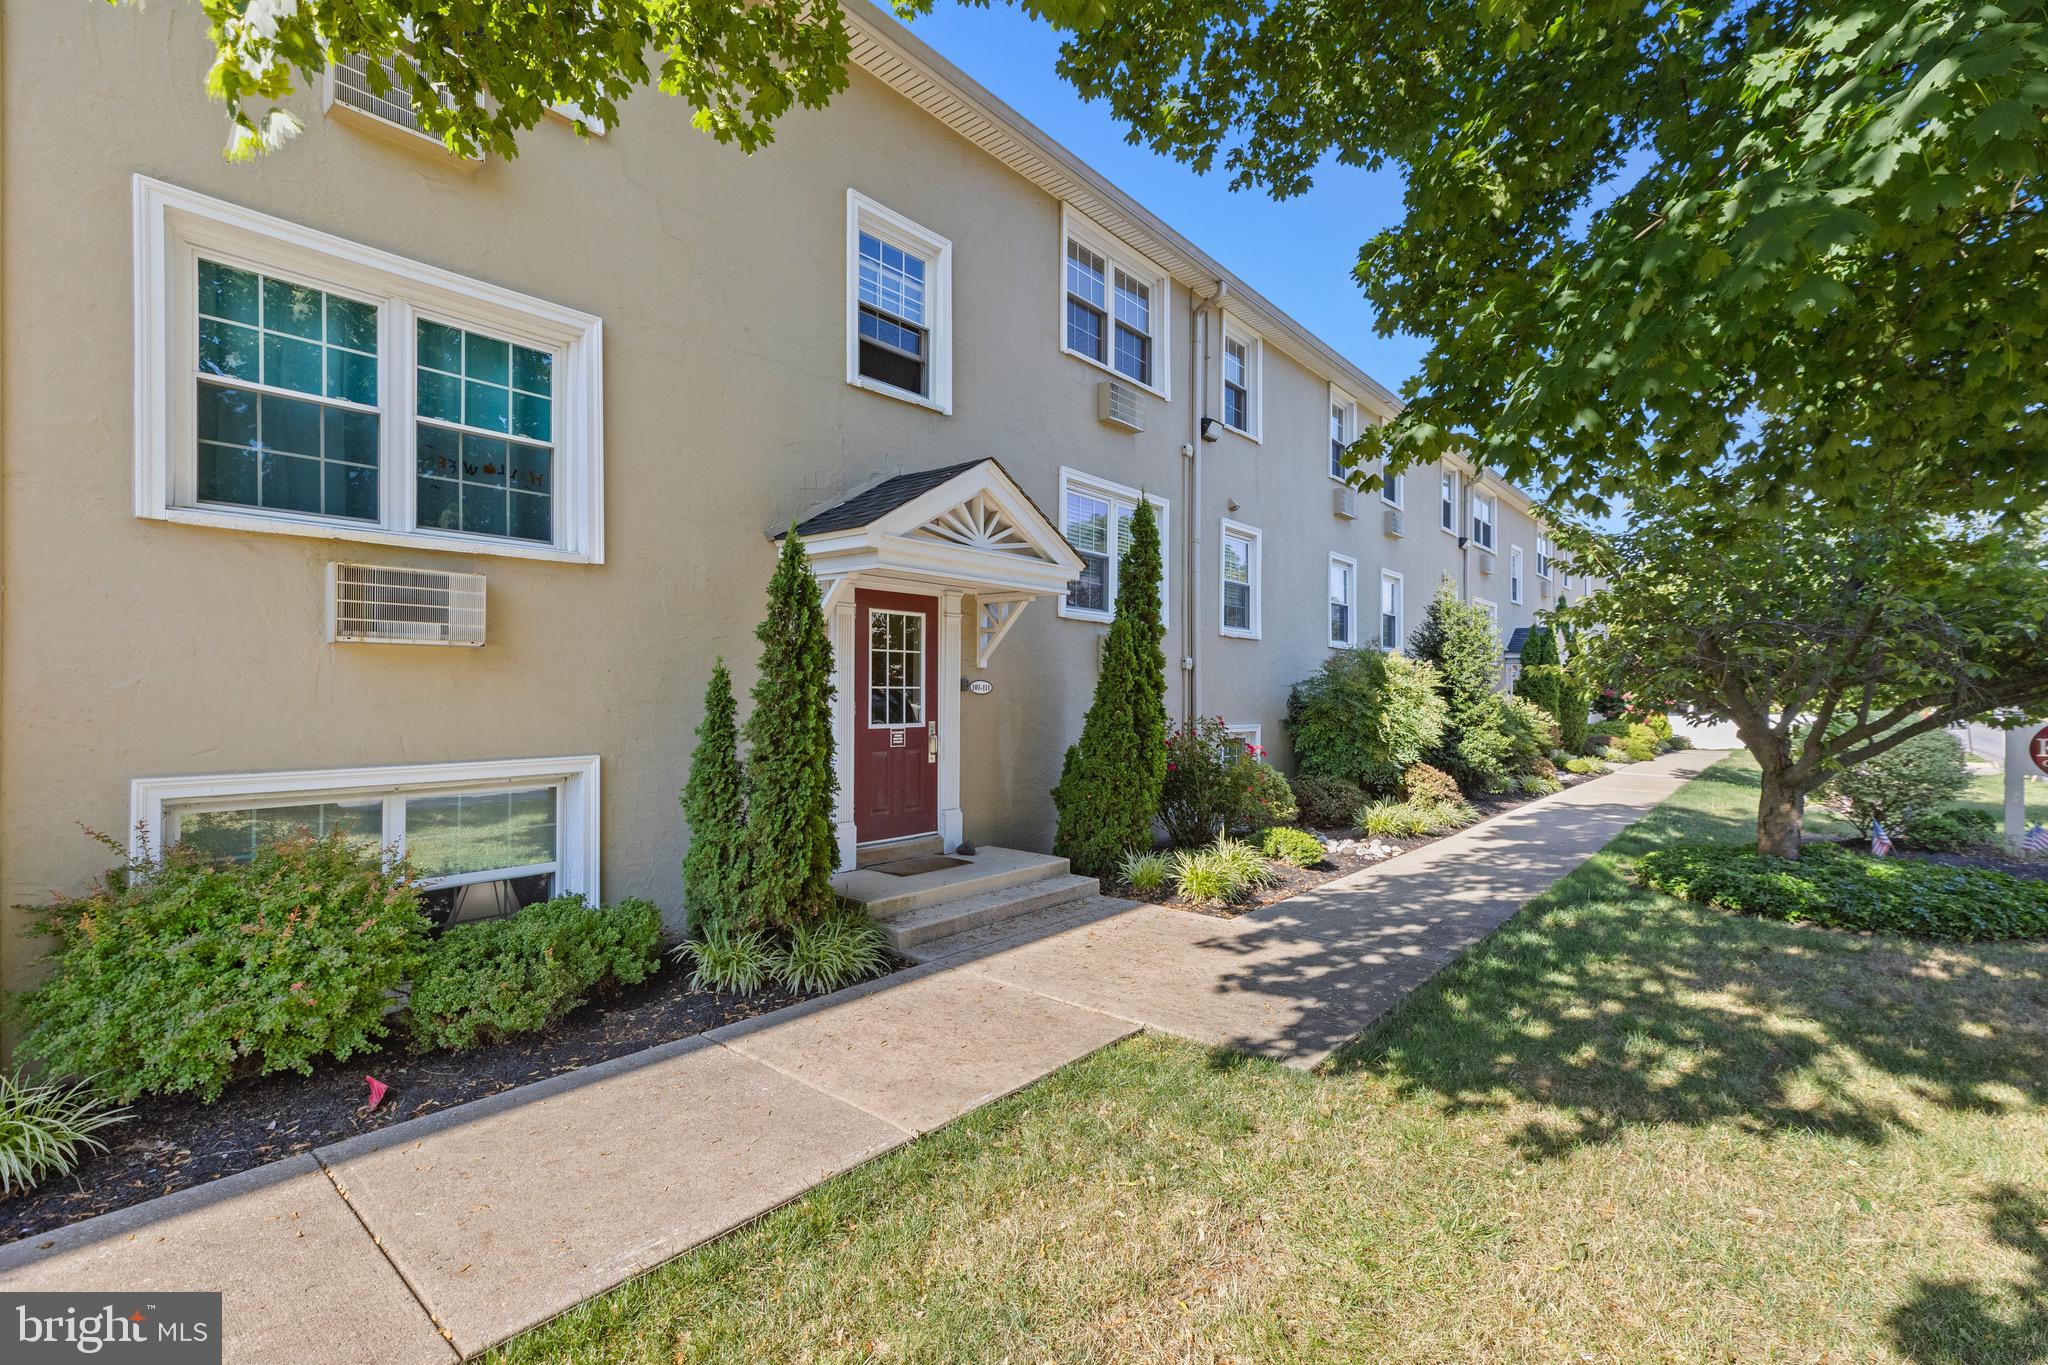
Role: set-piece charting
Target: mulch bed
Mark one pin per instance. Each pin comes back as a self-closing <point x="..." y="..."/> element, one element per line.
<point x="172" y="1143"/>
<point x="1293" y="881"/>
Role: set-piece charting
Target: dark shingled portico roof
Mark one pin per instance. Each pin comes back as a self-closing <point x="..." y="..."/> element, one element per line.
<point x="1516" y="641"/>
<point x="884" y="498"/>
<point x="865" y="508"/>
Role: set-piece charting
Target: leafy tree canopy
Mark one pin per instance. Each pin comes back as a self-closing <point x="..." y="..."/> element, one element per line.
<point x="1753" y="241"/>
<point x="1826" y="644"/>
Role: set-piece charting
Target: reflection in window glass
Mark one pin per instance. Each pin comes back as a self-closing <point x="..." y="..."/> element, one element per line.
<point x="458" y="833"/>
<point x="235" y="835"/>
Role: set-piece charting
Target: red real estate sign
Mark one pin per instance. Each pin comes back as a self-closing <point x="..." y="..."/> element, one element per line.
<point x="2038" y="748"/>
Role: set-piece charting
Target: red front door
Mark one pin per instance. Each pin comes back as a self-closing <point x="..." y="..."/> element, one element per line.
<point x="896" y="717"/>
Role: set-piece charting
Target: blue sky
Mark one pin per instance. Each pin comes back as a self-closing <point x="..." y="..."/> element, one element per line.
<point x="1298" y="253"/>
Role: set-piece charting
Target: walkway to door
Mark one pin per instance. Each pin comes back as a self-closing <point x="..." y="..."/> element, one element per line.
<point x="445" y="1235"/>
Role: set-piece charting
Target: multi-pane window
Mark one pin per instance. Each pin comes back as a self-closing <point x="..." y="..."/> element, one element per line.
<point x="1133" y="328"/>
<point x="1095" y="518"/>
<point x="1343" y="422"/>
<point x="1114" y="304"/>
<point x="1483" y="507"/>
<point x="894" y="333"/>
<point x="290" y="378"/>
<point x="1447" y="501"/>
<point x="478" y="852"/>
<point x="1237" y="384"/>
<point x="1087" y="303"/>
<point x="1515" y="574"/>
<point x="1390" y="489"/>
<point x="1543" y="558"/>
<point x="287" y="395"/>
<point x="485" y="435"/>
<point x="895" y="668"/>
<point x="1240" y="580"/>
<point x="1390" y="611"/>
<point x="1343" y="599"/>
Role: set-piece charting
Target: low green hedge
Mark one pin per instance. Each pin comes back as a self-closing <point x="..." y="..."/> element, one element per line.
<point x="483" y="982"/>
<point x="1843" y="889"/>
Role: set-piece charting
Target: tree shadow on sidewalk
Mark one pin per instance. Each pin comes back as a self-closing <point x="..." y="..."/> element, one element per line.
<point x="1961" y="1322"/>
<point x="1609" y="1007"/>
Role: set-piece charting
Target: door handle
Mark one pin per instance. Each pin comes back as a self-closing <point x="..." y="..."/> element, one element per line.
<point x="931" y="752"/>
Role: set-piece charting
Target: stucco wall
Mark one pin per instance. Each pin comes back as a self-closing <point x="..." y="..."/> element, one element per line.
<point x="132" y="647"/>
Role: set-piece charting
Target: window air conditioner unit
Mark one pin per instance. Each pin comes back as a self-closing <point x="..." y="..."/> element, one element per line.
<point x="1395" y="527"/>
<point x="347" y="93"/>
<point x="378" y="604"/>
<point x="1543" y="587"/>
<point x="1344" y="501"/>
<point x="1117" y="404"/>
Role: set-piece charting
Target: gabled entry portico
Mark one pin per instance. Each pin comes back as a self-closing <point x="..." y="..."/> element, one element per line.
<point x="901" y="562"/>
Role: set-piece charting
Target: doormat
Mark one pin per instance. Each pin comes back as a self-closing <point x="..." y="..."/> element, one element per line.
<point x="910" y="867"/>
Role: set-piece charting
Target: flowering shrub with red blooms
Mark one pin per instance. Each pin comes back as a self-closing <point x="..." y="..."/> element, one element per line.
<point x="1215" y="781"/>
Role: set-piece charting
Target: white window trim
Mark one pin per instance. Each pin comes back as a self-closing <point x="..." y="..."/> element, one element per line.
<point x="1255" y="367"/>
<point x="1250" y="731"/>
<point x="1393" y="488"/>
<point x="576" y="812"/>
<point x="1456" y="488"/>
<point x="1078" y="227"/>
<point x="1489" y="606"/>
<point x="1546" y="555"/>
<point x="1491" y="521"/>
<point x="1115" y="493"/>
<point x="1256" y="572"/>
<point x="1341" y="399"/>
<point x="1351" y="564"/>
<point x="1516" y="588"/>
<point x="173" y="225"/>
<point x="866" y="215"/>
<point x="1400" y="611"/>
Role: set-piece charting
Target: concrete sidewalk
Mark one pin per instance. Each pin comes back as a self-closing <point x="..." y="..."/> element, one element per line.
<point x="442" y="1236"/>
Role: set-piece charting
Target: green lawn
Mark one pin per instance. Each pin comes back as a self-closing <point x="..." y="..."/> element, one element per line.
<point x="1624" y="1129"/>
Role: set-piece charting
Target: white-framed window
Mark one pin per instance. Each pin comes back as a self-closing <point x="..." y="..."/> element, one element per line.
<point x="1114" y="305"/>
<point x="1343" y="601"/>
<point x="1343" y="429"/>
<point x="1241" y="365"/>
<point x="486" y="838"/>
<point x="1490" y="607"/>
<point x="899" y="306"/>
<point x="1095" y="518"/>
<point x="1485" y="510"/>
<point x="1392" y="489"/>
<point x="1392" y="615"/>
<point x="896" y="645"/>
<point x="291" y="381"/>
<point x="1240" y="580"/>
<point x="1447" y="501"/>
<point x="1543" y="558"/>
<point x="1515" y="574"/>
<point x="1250" y="732"/>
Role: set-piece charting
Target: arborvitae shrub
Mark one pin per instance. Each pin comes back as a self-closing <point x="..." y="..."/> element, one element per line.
<point x="714" y="804"/>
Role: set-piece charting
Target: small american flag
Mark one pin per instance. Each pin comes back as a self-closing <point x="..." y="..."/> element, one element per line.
<point x="1880" y="842"/>
<point x="2036" y="840"/>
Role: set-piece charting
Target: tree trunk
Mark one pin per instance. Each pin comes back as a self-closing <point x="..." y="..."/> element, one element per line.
<point x="1780" y="815"/>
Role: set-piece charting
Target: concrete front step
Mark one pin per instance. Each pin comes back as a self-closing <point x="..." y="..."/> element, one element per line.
<point x="991" y="869"/>
<point x="923" y="924"/>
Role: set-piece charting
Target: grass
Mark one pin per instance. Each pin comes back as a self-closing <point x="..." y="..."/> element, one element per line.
<point x="1625" y="1128"/>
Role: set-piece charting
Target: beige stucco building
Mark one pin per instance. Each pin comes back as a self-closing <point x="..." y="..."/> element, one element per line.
<point x="599" y="377"/>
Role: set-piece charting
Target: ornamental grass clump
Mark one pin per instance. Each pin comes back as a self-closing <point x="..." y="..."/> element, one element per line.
<point x="838" y="950"/>
<point x="175" y="975"/>
<point x="46" y="1130"/>
<point x="1204" y="877"/>
<point x="1252" y="868"/>
<point x="728" y="959"/>
<point x="1842" y="889"/>
<point x="1144" y="873"/>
